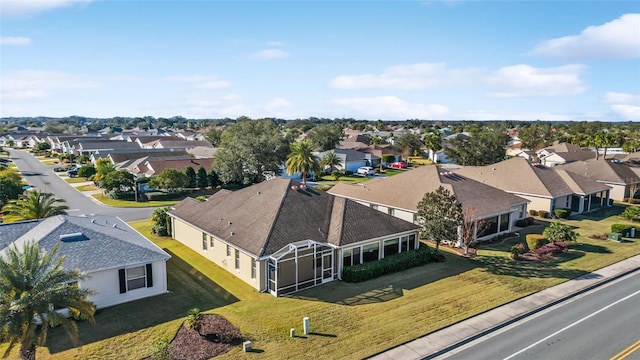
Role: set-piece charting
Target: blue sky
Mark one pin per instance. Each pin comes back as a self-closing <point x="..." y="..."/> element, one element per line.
<point x="474" y="60"/>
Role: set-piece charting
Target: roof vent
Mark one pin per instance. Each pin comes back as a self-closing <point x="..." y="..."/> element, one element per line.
<point x="258" y="193"/>
<point x="229" y="223"/>
<point x="73" y="237"/>
<point x="93" y="221"/>
<point x="115" y="225"/>
<point x="232" y="233"/>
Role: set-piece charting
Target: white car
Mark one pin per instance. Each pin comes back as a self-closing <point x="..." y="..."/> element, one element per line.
<point x="366" y="170"/>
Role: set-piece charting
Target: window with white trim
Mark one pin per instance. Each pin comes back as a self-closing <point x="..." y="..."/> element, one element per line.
<point x="254" y="268"/>
<point x="211" y="242"/>
<point x="136" y="278"/>
<point x="204" y="241"/>
<point x="228" y="251"/>
<point x="237" y="259"/>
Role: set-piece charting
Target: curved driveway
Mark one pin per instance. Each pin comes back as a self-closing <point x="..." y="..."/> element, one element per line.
<point x="42" y="177"/>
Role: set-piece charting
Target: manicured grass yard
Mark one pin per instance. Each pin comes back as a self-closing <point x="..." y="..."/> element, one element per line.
<point x="89" y="187"/>
<point x="75" y="180"/>
<point x="132" y="204"/>
<point x="349" y="321"/>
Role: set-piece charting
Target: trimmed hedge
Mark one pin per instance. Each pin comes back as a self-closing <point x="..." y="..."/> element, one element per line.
<point x="562" y="213"/>
<point x="531" y="220"/>
<point x="161" y="196"/>
<point x="543" y="214"/>
<point x="522" y="223"/>
<point x="392" y="264"/>
<point x="535" y="241"/>
<point x="533" y="212"/>
<point x="623" y="229"/>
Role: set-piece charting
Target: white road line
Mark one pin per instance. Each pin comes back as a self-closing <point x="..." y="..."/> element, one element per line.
<point x="73" y="210"/>
<point x="571" y="325"/>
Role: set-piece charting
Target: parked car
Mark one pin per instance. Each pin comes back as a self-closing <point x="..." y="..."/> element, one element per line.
<point x="398" y="165"/>
<point x="73" y="172"/>
<point x="366" y="170"/>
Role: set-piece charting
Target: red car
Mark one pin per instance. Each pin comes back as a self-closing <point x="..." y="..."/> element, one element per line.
<point x="399" y="165"/>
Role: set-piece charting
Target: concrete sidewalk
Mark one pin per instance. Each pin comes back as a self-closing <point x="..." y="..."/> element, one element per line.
<point x="441" y="341"/>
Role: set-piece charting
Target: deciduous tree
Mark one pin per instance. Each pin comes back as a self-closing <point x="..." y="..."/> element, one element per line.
<point x="325" y="137"/>
<point x="169" y="179"/>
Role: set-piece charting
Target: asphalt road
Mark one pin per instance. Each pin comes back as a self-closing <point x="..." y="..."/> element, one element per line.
<point x="599" y="324"/>
<point x="42" y="177"/>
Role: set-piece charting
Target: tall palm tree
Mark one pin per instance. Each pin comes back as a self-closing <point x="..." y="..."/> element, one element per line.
<point x="302" y="160"/>
<point x="331" y="159"/>
<point x="36" y="205"/>
<point x="32" y="285"/>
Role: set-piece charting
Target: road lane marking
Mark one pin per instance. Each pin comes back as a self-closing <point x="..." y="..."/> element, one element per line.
<point x="628" y="351"/>
<point x="572" y="325"/>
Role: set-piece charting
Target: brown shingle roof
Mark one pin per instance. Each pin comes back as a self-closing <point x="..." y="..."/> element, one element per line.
<point x="263" y="218"/>
<point x="178" y="164"/>
<point x="404" y="191"/>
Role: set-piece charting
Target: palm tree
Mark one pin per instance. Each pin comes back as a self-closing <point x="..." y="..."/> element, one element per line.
<point x="36" y="205"/>
<point x="302" y="160"/>
<point x="195" y="320"/>
<point x="32" y="285"/>
<point x="331" y="160"/>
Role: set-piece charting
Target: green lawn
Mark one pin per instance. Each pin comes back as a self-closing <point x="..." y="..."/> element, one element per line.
<point x="349" y="179"/>
<point x="380" y="313"/>
<point x="49" y="161"/>
<point x="132" y="204"/>
<point x="75" y="180"/>
<point x="89" y="187"/>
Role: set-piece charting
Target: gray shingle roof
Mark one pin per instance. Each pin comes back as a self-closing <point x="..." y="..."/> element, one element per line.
<point x="105" y="246"/>
<point x="611" y="171"/>
<point x="263" y="218"/>
<point x="404" y="191"/>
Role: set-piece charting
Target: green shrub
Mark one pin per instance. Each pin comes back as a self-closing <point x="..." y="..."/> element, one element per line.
<point x="543" y="213"/>
<point x="562" y="213"/>
<point x="623" y="229"/>
<point x="531" y="220"/>
<point x="403" y="261"/>
<point x="535" y="241"/>
<point x="161" y="349"/>
<point x="348" y="173"/>
<point x="631" y="213"/>
<point x="522" y="223"/>
<point x="533" y="212"/>
<point x="388" y="158"/>
<point x="162" y="196"/>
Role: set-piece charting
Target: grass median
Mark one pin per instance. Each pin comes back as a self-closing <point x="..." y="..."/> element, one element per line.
<point x="348" y="321"/>
<point x="132" y="204"/>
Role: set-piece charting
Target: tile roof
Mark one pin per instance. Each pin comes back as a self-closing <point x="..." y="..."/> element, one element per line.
<point x="108" y="241"/>
<point x="265" y="217"/>
<point x="404" y="191"/>
<point x="520" y="176"/>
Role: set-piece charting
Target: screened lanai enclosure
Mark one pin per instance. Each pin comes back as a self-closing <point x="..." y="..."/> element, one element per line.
<point x="300" y="265"/>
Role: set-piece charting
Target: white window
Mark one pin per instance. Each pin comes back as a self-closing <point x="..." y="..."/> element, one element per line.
<point x="253" y="268"/>
<point x="136" y="278"/>
<point x="204" y="241"/>
<point x="237" y="259"/>
<point x="228" y="251"/>
<point x="374" y="206"/>
<point x="392" y="211"/>
<point x="211" y="242"/>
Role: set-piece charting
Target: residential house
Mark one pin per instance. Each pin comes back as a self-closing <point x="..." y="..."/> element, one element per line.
<point x="353" y="159"/>
<point x="400" y="194"/>
<point x="88" y="147"/>
<point x="280" y="236"/>
<point x="176" y="143"/>
<point x="563" y="153"/>
<point x="546" y="188"/>
<point x="624" y="182"/>
<point x="121" y="265"/>
<point x="151" y="166"/>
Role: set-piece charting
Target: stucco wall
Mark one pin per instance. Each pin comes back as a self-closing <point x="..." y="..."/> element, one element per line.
<point x="107" y="285"/>
<point x="537" y="203"/>
<point x="192" y="238"/>
<point x="618" y="192"/>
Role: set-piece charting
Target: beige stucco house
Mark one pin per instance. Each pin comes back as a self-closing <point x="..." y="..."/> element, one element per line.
<point x="545" y="188"/>
<point x="623" y="181"/>
<point x="282" y="237"/>
<point x="400" y="194"/>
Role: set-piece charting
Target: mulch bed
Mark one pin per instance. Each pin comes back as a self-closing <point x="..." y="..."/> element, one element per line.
<point x="218" y="337"/>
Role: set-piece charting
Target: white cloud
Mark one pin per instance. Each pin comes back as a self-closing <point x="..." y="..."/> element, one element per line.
<point x="201" y="82"/>
<point x="15" y="40"/>
<point x="527" y="81"/>
<point x="268" y="54"/>
<point x="407" y="77"/>
<point x="389" y="107"/>
<point x="524" y="116"/>
<point x="28" y="85"/>
<point x="627" y="106"/>
<point x="32" y="7"/>
<point x="617" y="39"/>
<point x="278" y="104"/>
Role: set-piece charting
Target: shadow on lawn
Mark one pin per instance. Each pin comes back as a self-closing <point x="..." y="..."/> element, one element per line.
<point x="387" y="287"/>
<point x="532" y="269"/>
<point x="188" y="288"/>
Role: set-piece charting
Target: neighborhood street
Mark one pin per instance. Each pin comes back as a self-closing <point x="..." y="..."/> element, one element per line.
<point x="599" y="324"/>
<point x="43" y="178"/>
